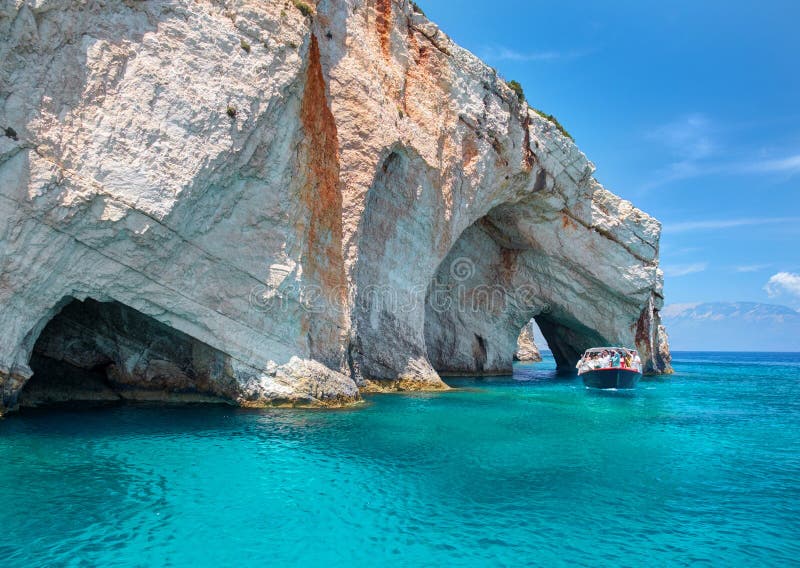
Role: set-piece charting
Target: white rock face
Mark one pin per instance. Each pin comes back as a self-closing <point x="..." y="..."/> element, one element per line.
<point x="527" y="351"/>
<point x="287" y="189"/>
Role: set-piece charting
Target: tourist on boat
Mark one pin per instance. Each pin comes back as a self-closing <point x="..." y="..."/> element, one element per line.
<point x="610" y="368"/>
<point x="637" y="362"/>
<point x="627" y="359"/>
<point x="587" y="362"/>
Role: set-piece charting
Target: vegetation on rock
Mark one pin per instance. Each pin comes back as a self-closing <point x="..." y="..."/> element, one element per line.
<point x="304" y="8"/>
<point x="517" y="88"/>
<point x="557" y="124"/>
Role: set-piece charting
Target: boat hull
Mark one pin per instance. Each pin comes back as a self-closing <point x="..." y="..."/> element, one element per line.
<point x="611" y="378"/>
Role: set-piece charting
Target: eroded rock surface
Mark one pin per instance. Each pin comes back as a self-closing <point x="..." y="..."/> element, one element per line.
<point x="93" y="352"/>
<point x="527" y="351"/>
<point x="290" y="190"/>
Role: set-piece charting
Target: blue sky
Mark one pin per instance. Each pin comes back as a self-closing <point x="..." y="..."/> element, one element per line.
<point x="687" y="108"/>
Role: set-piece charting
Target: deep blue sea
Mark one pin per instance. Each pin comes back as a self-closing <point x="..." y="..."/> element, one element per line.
<point x="702" y="468"/>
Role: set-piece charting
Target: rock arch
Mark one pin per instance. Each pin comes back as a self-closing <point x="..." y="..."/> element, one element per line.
<point x="520" y="262"/>
<point x="428" y="303"/>
<point x="399" y="223"/>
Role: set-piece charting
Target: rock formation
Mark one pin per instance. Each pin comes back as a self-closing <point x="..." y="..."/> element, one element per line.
<point x="527" y="351"/>
<point x="312" y="197"/>
<point x="106" y="352"/>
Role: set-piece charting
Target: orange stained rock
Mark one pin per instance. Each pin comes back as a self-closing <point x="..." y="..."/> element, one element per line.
<point x="383" y="23"/>
<point x="320" y="192"/>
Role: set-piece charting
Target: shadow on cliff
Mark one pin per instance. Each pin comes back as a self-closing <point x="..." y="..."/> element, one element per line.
<point x="492" y="283"/>
<point x="97" y="353"/>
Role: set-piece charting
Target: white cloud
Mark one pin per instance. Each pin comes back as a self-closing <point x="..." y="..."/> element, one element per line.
<point x="690" y="142"/>
<point x="693" y="141"/>
<point x="783" y="283"/>
<point x="751" y="267"/>
<point x="790" y="164"/>
<point x="688" y="137"/>
<point x="669" y="251"/>
<point x="502" y="53"/>
<point x="690" y="168"/>
<point x="713" y="224"/>
<point x="675" y="270"/>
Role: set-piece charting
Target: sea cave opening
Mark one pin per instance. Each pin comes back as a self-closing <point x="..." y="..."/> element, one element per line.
<point x="495" y="283"/>
<point x="97" y="353"/>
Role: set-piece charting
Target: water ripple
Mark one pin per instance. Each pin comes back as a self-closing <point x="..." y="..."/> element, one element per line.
<point x="702" y="469"/>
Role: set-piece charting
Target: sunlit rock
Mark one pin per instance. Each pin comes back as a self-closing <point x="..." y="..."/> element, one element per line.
<point x="527" y="351"/>
<point x="292" y="205"/>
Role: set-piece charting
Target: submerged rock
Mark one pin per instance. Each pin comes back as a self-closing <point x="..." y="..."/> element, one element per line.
<point x="354" y="201"/>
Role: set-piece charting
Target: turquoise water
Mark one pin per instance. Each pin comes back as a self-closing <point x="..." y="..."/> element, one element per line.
<point x="702" y="468"/>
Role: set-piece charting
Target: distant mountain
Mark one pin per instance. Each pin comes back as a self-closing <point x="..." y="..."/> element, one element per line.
<point x="732" y="326"/>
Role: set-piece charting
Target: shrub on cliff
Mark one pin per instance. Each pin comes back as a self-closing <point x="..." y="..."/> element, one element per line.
<point x="304" y="8"/>
<point x="557" y="124"/>
<point x="517" y="88"/>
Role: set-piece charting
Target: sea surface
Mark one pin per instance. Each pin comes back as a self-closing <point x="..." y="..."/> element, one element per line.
<point x="702" y="468"/>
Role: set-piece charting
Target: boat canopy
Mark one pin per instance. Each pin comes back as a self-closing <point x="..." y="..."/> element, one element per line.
<point x="601" y="349"/>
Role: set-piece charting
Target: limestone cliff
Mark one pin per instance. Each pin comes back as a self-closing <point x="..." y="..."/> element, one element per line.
<point x="527" y="351"/>
<point x="322" y="197"/>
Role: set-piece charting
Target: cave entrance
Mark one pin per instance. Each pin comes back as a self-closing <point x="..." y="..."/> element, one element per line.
<point x="93" y="353"/>
<point x="493" y="282"/>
